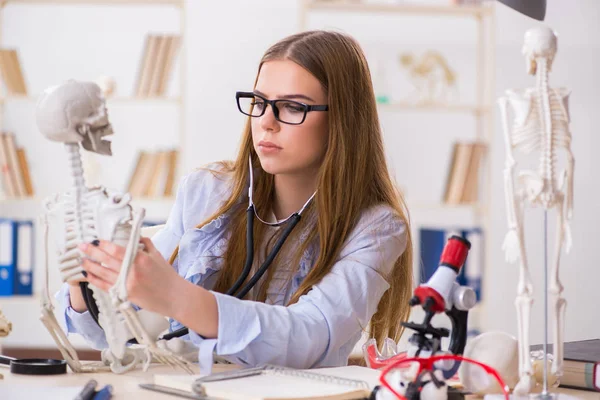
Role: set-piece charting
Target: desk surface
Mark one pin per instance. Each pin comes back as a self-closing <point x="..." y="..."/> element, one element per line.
<point x="126" y="385"/>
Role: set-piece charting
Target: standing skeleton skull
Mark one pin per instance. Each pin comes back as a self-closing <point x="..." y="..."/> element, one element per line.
<point x="540" y="126"/>
<point x="74" y="113"/>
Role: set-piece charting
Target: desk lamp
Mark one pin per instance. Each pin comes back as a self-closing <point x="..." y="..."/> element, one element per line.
<point x="535" y="9"/>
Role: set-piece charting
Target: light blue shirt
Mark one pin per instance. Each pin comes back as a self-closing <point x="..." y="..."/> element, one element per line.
<point x="320" y="330"/>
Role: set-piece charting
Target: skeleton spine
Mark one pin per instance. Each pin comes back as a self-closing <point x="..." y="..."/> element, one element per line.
<point x="547" y="160"/>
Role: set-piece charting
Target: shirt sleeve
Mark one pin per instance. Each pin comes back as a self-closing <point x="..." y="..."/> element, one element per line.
<point x="81" y="323"/>
<point x="167" y="239"/>
<point x="323" y="326"/>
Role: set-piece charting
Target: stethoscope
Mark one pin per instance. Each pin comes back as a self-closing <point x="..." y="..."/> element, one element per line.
<point x="234" y="290"/>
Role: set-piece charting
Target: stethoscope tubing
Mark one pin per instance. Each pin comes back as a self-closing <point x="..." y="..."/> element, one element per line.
<point x="295" y="218"/>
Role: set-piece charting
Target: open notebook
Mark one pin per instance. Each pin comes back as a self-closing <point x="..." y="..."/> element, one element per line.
<point x="274" y="383"/>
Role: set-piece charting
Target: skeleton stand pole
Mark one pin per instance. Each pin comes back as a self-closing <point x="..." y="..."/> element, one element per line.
<point x="545" y="395"/>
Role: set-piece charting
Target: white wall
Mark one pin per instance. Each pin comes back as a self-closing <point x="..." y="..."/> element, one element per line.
<point x="225" y="42"/>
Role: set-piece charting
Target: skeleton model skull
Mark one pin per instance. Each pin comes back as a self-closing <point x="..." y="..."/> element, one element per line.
<point x="540" y="130"/>
<point x="74" y="113"/>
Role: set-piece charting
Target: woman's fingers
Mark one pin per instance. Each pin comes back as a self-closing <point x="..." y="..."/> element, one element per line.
<point x="98" y="254"/>
<point x="98" y="282"/>
<point x="110" y="248"/>
<point x="149" y="246"/>
<point x="103" y="273"/>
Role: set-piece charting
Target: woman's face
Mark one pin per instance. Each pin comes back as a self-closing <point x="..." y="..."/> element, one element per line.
<point x="284" y="148"/>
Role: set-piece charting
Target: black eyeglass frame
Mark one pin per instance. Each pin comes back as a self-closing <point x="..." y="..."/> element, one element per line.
<point x="273" y="103"/>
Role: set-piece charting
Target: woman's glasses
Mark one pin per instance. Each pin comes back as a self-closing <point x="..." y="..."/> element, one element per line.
<point x="286" y="111"/>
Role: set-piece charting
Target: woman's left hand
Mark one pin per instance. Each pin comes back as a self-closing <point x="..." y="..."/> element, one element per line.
<point x="151" y="281"/>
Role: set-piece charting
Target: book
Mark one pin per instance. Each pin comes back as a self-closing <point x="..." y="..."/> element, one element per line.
<point x="13" y="162"/>
<point x="581" y="364"/>
<point x="274" y="383"/>
<point x="8" y="180"/>
<point x="174" y="45"/>
<point x="10" y="69"/>
<point x="8" y="256"/>
<point x="463" y="178"/>
<point x="24" y="258"/>
<point x="24" y="167"/>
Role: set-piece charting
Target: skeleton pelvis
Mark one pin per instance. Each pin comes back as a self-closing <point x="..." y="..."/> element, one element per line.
<point x="537" y="190"/>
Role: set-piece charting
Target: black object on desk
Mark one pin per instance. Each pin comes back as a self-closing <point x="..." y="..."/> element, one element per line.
<point x="35" y="366"/>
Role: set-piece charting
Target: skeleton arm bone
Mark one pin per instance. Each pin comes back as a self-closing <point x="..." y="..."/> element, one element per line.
<point x="511" y="242"/>
<point x="568" y="212"/>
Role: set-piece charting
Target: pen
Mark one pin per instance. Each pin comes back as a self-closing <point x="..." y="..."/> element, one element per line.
<point x="105" y="393"/>
<point x="88" y="391"/>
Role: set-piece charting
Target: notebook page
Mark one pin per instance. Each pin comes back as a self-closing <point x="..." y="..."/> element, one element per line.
<point x="354" y="372"/>
<point x="275" y="387"/>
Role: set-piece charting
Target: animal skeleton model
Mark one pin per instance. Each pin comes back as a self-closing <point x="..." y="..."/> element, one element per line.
<point x="5" y="328"/>
<point x="431" y="75"/>
<point x="74" y="113"/>
<point x="540" y="126"/>
<point x="5" y="325"/>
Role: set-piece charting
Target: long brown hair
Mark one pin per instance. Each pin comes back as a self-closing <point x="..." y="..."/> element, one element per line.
<point x="354" y="163"/>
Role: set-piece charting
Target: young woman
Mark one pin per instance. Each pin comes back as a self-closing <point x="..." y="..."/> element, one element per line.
<point x="314" y="144"/>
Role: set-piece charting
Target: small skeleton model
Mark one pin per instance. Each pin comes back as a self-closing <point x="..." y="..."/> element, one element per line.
<point x="74" y="113"/>
<point x="540" y="133"/>
<point x="422" y="378"/>
<point x="5" y="328"/>
<point x="5" y="325"/>
<point x="431" y="76"/>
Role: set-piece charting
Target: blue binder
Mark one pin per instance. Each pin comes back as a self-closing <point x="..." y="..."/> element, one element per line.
<point x="25" y="262"/>
<point x="8" y="256"/>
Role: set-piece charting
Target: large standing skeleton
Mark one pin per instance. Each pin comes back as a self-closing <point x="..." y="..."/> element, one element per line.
<point x="74" y="113"/>
<point x="541" y="125"/>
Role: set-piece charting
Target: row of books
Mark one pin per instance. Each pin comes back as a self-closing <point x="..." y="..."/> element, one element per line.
<point x="156" y="64"/>
<point x="16" y="179"/>
<point x="11" y="73"/>
<point x="462" y="184"/>
<point x="154" y="174"/>
<point x="155" y="68"/>
<point x="16" y="257"/>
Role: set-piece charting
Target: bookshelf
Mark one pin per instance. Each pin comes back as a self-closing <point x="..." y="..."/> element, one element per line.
<point x="22" y="310"/>
<point x="478" y="112"/>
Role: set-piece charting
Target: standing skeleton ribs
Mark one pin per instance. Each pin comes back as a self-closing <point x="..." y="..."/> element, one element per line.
<point x="541" y="126"/>
<point x="74" y="113"/>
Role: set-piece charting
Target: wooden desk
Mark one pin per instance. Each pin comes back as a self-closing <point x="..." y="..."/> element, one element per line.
<point x="126" y="385"/>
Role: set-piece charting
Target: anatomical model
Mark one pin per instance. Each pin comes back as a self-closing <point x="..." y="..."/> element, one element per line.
<point x="431" y="75"/>
<point x="5" y="325"/>
<point x="74" y="113"/>
<point x="540" y="133"/>
<point x="5" y="328"/>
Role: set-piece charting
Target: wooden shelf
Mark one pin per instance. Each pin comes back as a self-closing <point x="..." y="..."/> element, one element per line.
<point x="117" y="99"/>
<point x="140" y="200"/>
<point x="400" y="8"/>
<point x="440" y="107"/>
<point x="178" y="3"/>
<point x="421" y="206"/>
